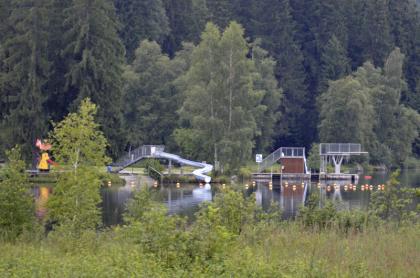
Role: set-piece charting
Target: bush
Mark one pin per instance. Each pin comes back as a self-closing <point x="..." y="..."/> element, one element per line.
<point x="155" y="164"/>
<point x="16" y="204"/>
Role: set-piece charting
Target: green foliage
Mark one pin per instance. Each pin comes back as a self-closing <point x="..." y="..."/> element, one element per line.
<point x="78" y="142"/>
<point x="155" y="233"/>
<point x="221" y="102"/>
<point x="274" y="24"/>
<point x="24" y="74"/>
<point x="346" y="99"/>
<point x="187" y="19"/>
<point x="94" y="69"/>
<point x="266" y="81"/>
<point x="74" y="204"/>
<point x="371" y="97"/>
<point x="395" y="202"/>
<point x="16" y="203"/>
<point x="77" y="139"/>
<point x="141" y="20"/>
<point x="150" y="100"/>
<point x="313" y="159"/>
<point x="226" y="236"/>
<point x="334" y="63"/>
<point x="154" y="163"/>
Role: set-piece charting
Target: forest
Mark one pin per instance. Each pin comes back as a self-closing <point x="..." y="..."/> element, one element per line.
<point x="215" y="80"/>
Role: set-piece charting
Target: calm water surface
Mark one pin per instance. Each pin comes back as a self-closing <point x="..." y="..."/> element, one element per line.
<point x="288" y="197"/>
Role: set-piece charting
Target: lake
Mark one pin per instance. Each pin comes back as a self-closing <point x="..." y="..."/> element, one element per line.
<point x="186" y="199"/>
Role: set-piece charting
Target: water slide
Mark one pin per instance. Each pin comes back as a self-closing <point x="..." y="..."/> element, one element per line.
<point x="156" y="151"/>
<point x="204" y="168"/>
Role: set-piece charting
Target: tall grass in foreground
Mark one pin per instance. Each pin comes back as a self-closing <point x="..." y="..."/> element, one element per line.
<point x="263" y="250"/>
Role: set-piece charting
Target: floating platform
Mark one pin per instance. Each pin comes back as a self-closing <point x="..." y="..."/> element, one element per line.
<point x="331" y="176"/>
<point x="266" y="177"/>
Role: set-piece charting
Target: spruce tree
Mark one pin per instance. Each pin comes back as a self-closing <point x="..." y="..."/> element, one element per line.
<point x="221" y="12"/>
<point x="375" y="35"/>
<point x="57" y="102"/>
<point x="25" y="71"/>
<point x="266" y="82"/>
<point x="95" y="55"/>
<point x="334" y="63"/>
<point x="275" y="26"/>
<point x="140" y="20"/>
<point x="187" y="19"/>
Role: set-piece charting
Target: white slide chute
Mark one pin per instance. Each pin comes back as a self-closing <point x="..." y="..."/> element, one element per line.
<point x="204" y="168"/>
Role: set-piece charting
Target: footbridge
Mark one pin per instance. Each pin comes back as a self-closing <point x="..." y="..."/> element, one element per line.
<point x="157" y="151"/>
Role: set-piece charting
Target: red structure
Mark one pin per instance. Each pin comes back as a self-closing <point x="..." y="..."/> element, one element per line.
<point x="293" y="165"/>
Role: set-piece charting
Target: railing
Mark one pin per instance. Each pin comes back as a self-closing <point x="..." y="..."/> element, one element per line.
<point x="292" y="152"/>
<point x="137" y="154"/>
<point x="155" y="171"/>
<point x="339" y="148"/>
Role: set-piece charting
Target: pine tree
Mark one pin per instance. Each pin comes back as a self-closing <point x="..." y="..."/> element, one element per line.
<point x="187" y="19"/>
<point x="372" y="35"/>
<point x="151" y="99"/>
<point x="5" y="31"/>
<point x="57" y="102"/>
<point x="334" y="63"/>
<point x="95" y="56"/>
<point x="25" y="71"/>
<point x="221" y="12"/>
<point x="267" y="83"/>
<point x="275" y="26"/>
<point x="318" y="22"/>
<point x="141" y="19"/>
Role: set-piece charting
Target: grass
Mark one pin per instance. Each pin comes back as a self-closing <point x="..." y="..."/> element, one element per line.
<point x="288" y="250"/>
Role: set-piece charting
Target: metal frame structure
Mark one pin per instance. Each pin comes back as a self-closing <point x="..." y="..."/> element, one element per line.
<point x="336" y="152"/>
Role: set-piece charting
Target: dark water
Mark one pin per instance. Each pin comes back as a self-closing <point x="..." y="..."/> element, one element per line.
<point x="183" y="201"/>
<point x="288" y="197"/>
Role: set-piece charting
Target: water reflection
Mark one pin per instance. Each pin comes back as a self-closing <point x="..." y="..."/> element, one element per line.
<point x="42" y="194"/>
<point x="180" y="199"/>
<point x="289" y="195"/>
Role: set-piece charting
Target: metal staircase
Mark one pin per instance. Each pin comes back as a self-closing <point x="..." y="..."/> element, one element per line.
<point x="132" y="157"/>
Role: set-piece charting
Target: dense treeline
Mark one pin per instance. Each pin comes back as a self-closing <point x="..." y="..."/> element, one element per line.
<point x="161" y="75"/>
